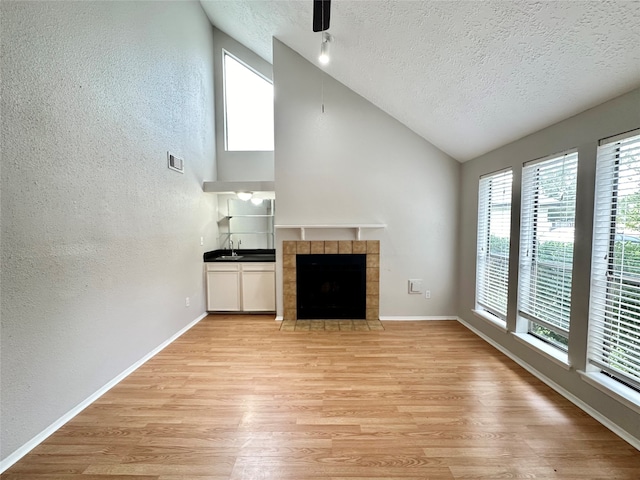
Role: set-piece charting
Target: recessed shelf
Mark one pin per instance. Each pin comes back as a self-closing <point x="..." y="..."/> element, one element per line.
<point x="247" y="222"/>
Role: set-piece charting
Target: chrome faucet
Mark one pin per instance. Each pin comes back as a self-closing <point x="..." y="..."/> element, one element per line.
<point x="233" y="252"/>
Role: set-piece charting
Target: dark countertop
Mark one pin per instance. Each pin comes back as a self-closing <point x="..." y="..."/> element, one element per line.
<point x="247" y="255"/>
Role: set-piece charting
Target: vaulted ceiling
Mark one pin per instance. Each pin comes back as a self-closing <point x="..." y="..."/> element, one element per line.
<point x="468" y="76"/>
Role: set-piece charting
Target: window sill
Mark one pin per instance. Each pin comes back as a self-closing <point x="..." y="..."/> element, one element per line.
<point x="556" y="356"/>
<point x="491" y="319"/>
<point x="625" y="395"/>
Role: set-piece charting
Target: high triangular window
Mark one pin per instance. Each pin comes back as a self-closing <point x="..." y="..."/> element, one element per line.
<point x="248" y="107"/>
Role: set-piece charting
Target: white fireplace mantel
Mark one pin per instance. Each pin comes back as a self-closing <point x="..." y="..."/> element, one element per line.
<point x="356" y="227"/>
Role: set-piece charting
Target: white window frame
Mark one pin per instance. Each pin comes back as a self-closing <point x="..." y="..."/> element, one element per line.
<point x="225" y="54"/>
<point x="550" y="310"/>
<point x="607" y="302"/>
<point x="494" y="191"/>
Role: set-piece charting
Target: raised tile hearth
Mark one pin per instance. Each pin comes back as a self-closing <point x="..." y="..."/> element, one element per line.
<point x="331" y="325"/>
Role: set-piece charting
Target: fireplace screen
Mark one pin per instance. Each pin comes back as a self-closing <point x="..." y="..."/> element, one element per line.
<point x="331" y="286"/>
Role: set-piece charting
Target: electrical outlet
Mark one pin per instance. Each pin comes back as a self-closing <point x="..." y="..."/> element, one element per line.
<point x="427" y="294"/>
<point x="187" y="302"/>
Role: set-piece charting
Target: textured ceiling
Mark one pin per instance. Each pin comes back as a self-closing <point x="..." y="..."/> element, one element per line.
<point x="468" y="76"/>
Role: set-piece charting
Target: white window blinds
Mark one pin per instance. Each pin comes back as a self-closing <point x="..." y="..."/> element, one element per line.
<point x="546" y="246"/>
<point x="494" y="228"/>
<point x="614" y="329"/>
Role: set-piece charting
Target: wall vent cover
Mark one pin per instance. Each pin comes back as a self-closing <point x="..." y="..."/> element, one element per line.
<point x="175" y="163"/>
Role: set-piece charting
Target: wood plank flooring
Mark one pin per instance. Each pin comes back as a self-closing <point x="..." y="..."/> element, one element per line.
<point x="235" y="398"/>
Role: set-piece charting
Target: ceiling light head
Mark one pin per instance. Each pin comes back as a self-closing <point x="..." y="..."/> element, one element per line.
<point x="324" y="48"/>
<point x="244" y="195"/>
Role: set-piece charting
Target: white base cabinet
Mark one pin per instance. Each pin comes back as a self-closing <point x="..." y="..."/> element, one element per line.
<point x="258" y="291"/>
<point x="223" y="290"/>
<point x="241" y="287"/>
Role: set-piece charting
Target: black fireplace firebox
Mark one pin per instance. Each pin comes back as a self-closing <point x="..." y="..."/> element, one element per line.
<point x="331" y="286"/>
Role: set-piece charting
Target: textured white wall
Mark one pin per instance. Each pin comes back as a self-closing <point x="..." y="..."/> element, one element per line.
<point x="356" y="164"/>
<point x="582" y="132"/>
<point x="100" y="241"/>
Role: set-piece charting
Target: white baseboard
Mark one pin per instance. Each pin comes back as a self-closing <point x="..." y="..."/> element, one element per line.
<point x="279" y="318"/>
<point x="42" y="436"/>
<point x="414" y="318"/>
<point x="615" y="428"/>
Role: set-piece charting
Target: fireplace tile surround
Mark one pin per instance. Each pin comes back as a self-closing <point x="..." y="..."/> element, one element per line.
<point x="291" y="248"/>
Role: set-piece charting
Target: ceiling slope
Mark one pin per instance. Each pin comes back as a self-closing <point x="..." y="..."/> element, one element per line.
<point x="468" y="76"/>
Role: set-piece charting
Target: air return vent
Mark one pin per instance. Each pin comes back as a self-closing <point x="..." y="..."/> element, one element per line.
<point x="175" y="163"/>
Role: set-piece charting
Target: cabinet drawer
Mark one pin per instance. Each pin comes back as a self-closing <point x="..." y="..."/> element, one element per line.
<point x="258" y="267"/>
<point x="222" y="267"/>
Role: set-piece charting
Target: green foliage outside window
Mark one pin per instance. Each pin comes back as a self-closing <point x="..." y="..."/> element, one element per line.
<point x="498" y="246"/>
<point x="551" y="254"/>
<point x="625" y="274"/>
<point x="626" y="258"/>
<point x="624" y="326"/>
<point x="554" y="252"/>
<point x="624" y="322"/>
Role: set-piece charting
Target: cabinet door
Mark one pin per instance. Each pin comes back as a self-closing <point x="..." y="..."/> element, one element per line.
<point x="223" y="291"/>
<point x="258" y="291"/>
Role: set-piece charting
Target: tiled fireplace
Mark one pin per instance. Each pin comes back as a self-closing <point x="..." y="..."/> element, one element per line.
<point x="370" y="248"/>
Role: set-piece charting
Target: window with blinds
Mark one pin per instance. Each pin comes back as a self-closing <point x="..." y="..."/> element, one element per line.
<point x="614" y="313"/>
<point x="494" y="229"/>
<point x="546" y="246"/>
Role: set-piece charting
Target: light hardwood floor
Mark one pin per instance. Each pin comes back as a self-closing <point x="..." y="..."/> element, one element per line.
<point x="235" y="398"/>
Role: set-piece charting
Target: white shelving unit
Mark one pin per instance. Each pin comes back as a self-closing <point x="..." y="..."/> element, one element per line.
<point x="240" y="222"/>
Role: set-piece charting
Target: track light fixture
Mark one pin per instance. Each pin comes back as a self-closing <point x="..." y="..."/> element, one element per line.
<point x="324" y="48"/>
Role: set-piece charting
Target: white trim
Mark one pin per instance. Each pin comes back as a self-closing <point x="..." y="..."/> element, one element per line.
<point x="51" y="429"/>
<point x="415" y="318"/>
<point x="232" y="187"/>
<point x="244" y="64"/>
<point x="553" y="156"/>
<point x="613" y="388"/>
<point x="225" y="52"/>
<point x="497" y="172"/>
<point x="357" y="228"/>
<point x="626" y="436"/>
<point x="491" y="320"/>
<point x="335" y="225"/>
<point x="618" y="137"/>
<point x="279" y="318"/>
<point x="546" y="350"/>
